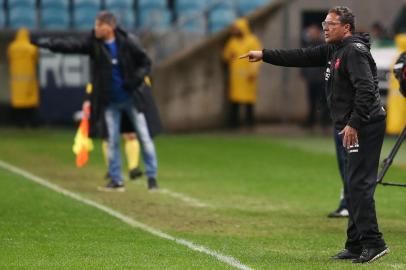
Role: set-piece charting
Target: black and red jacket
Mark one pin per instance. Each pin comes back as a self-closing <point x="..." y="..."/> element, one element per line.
<point x="351" y="78"/>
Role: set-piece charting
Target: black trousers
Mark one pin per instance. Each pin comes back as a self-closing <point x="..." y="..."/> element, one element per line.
<point x="25" y="117"/>
<point x="234" y="117"/>
<point x="340" y="154"/>
<point x="318" y="110"/>
<point x="361" y="169"/>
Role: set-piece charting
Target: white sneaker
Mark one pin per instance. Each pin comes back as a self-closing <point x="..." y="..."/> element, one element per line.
<point x="340" y="212"/>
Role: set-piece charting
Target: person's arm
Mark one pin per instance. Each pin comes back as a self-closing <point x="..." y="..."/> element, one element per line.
<point x="254" y="69"/>
<point x="68" y="45"/>
<point x="86" y="105"/>
<point x="140" y="58"/>
<point x="360" y="74"/>
<point x="305" y="57"/>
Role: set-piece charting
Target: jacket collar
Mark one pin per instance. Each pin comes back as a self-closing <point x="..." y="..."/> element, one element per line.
<point x="343" y="42"/>
<point x="119" y="33"/>
<point x="363" y="38"/>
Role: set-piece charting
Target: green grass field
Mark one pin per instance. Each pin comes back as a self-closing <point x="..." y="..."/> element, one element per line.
<point x="267" y="199"/>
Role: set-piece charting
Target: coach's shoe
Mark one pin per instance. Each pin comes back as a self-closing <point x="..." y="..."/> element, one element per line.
<point x="369" y="255"/>
<point x="152" y="184"/>
<point x="112" y="186"/>
<point x="346" y="254"/>
<point x="339" y="213"/>
<point x="135" y="173"/>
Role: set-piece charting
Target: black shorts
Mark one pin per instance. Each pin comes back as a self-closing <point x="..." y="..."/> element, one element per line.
<point x="126" y="124"/>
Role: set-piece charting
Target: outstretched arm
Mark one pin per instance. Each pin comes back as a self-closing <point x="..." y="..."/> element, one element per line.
<point x="308" y="57"/>
<point x="69" y="45"/>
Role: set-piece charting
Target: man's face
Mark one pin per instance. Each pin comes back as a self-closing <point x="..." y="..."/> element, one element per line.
<point x="102" y="30"/>
<point x="334" y="30"/>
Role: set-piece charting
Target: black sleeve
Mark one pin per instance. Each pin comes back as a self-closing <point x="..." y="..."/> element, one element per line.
<point x="360" y="74"/>
<point x="402" y="82"/>
<point x="305" y="57"/>
<point x="399" y="71"/>
<point x="68" y="45"/>
<point x="139" y="56"/>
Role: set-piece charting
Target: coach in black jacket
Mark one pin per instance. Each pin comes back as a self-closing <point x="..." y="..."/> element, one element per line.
<point x="356" y="109"/>
<point x="118" y="67"/>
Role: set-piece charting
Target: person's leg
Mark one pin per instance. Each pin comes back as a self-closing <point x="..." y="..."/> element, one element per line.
<point x="105" y="151"/>
<point x="353" y="247"/>
<point x="32" y="120"/>
<point x="147" y="144"/>
<point x="340" y="154"/>
<point x="361" y="175"/>
<point x="18" y="117"/>
<point x="112" y="118"/>
<point x="132" y="153"/>
<point x="249" y="116"/>
<point x="234" y="116"/>
<point x="363" y="162"/>
<point x="353" y="241"/>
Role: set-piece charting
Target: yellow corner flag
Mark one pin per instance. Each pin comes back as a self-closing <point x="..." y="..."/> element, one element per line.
<point x="83" y="144"/>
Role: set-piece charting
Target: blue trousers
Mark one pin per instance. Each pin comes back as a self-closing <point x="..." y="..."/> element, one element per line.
<point x="113" y="121"/>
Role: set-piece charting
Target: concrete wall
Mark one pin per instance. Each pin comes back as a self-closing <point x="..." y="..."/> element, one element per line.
<point x="191" y="86"/>
<point x="5" y="39"/>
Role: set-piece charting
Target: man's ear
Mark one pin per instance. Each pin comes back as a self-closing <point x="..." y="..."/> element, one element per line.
<point x="347" y="27"/>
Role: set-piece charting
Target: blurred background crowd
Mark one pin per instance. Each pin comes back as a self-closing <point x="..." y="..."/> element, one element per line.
<point x="197" y="82"/>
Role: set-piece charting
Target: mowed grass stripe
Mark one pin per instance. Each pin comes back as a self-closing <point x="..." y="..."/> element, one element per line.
<point x="273" y="197"/>
<point x="40" y="229"/>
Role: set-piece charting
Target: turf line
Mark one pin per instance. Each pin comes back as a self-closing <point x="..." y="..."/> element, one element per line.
<point x="190" y="201"/>
<point x="126" y="219"/>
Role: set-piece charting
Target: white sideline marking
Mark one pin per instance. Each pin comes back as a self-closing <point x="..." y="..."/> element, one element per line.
<point x="186" y="199"/>
<point x="126" y="219"/>
<point x="190" y="201"/>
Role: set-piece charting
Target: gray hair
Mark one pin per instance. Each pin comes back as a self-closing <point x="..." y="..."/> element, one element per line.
<point x="107" y="17"/>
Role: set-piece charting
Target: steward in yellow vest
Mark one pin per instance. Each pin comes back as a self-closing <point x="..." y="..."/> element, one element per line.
<point x="242" y="83"/>
<point x="23" y="59"/>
